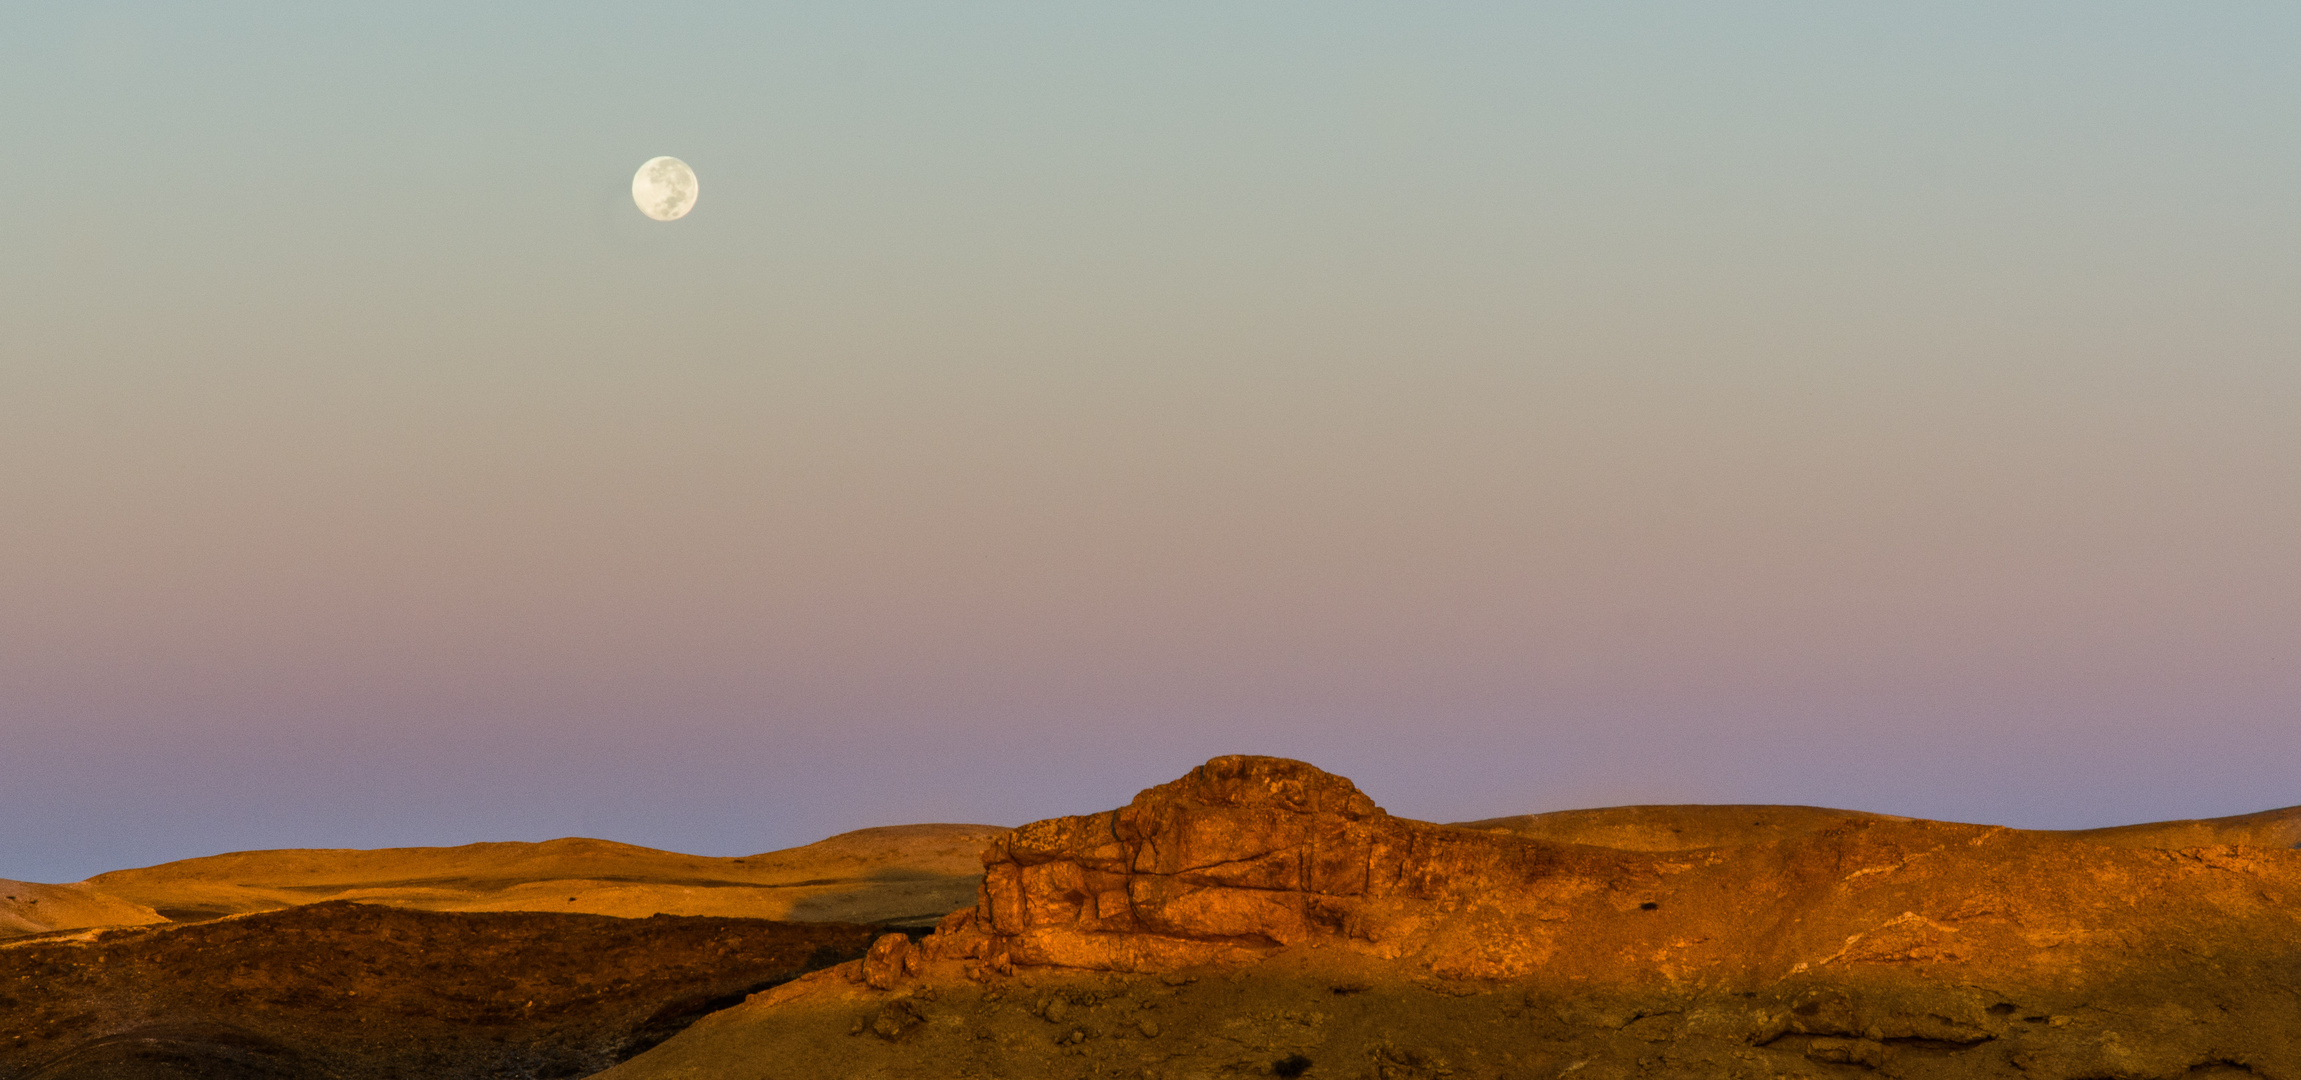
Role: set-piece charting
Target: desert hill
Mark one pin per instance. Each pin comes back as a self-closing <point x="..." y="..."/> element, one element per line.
<point x="908" y="874"/>
<point x="1688" y="827"/>
<point x="1262" y="917"/>
<point x="1672" y="828"/>
<point x="29" y="908"/>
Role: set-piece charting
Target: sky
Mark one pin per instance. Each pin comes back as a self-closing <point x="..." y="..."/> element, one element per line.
<point x="1512" y="407"/>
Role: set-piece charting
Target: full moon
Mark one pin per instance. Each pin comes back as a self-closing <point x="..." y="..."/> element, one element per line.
<point x="665" y="189"/>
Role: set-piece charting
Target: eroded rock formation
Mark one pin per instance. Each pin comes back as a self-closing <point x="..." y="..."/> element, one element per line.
<point x="1248" y="854"/>
<point x="1338" y="940"/>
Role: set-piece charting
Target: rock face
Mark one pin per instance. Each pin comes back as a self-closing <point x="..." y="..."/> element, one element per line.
<point x="1337" y="940"/>
<point x="1247" y="854"/>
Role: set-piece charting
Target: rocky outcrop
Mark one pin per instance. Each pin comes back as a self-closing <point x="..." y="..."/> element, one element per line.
<point x="1247" y="855"/>
<point x="1262" y="917"/>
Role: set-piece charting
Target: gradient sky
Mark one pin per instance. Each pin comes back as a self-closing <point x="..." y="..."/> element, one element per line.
<point x="1512" y="407"/>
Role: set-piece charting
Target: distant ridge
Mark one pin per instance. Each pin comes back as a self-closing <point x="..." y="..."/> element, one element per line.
<point x="1693" y="826"/>
<point x="900" y="876"/>
<point x="30" y="908"/>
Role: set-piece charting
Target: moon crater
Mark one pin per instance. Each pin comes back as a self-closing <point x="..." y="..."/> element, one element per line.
<point x="665" y="189"/>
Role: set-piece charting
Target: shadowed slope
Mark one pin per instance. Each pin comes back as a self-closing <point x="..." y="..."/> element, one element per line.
<point x="341" y="991"/>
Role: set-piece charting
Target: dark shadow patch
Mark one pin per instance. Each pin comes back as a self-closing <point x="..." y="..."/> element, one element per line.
<point x="2223" y="1067"/>
<point x="195" y="1051"/>
<point x="1914" y="1042"/>
<point x="679" y="1015"/>
<point x="1292" y="1065"/>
